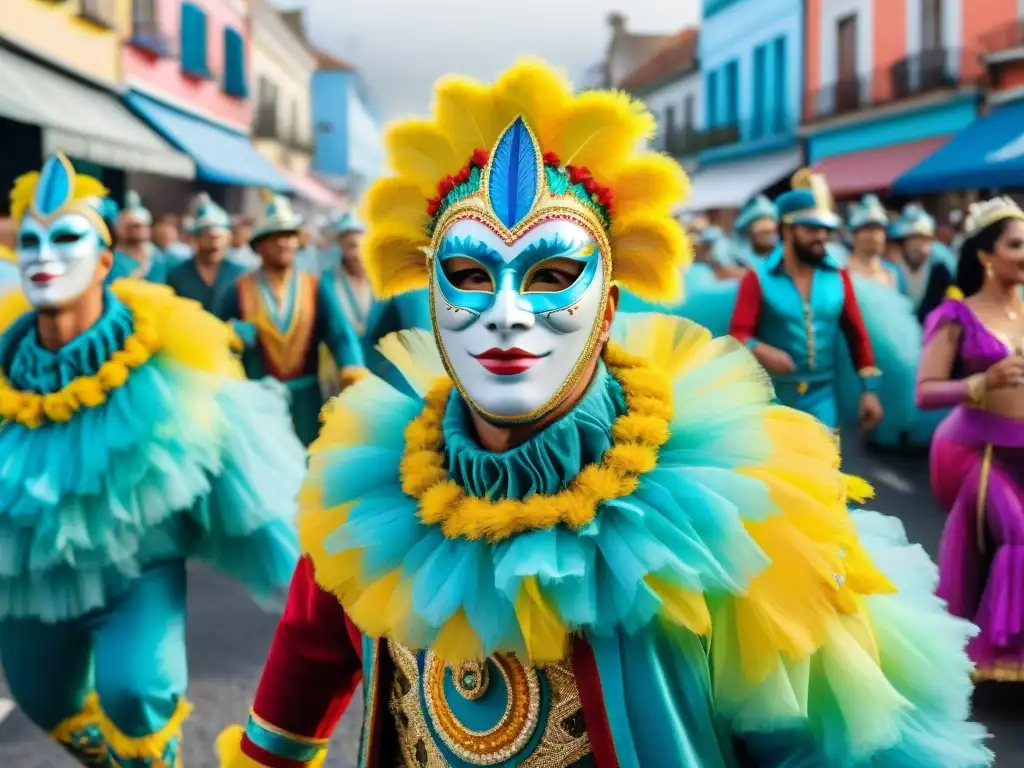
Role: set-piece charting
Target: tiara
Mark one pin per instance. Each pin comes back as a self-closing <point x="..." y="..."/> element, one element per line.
<point x="988" y="212"/>
<point x="518" y="152"/>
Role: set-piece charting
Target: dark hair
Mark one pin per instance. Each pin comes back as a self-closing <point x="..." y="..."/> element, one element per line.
<point x="970" y="273"/>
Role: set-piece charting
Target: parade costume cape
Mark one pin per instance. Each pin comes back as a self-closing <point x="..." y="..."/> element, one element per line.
<point x="709" y="520"/>
<point x="138" y="441"/>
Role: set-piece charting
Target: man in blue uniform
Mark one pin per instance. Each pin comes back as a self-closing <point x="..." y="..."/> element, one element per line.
<point x="208" y="276"/>
<point x="792" y="307"/>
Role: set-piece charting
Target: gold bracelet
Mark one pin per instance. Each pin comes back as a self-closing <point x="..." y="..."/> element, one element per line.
<point x="977" y="388"/>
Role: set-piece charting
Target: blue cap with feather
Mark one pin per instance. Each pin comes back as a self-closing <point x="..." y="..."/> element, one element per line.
<point x="207" y="215"/>
<point x="278" y="218"/>
<point x="345" y="224"/>
<point x="914" y="220"/>
<point x="870" y="212"/>
<point x="758" y="208"/>
<point x="809" y="202"/>
<point x="134" y="209"/>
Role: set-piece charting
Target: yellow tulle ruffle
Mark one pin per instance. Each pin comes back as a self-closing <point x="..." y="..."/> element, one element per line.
<point x="677" y="379"/>
<point x="637" y="434"/>
<point x="164" y="324"/>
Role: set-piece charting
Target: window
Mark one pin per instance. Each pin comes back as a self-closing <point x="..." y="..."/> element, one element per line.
<point x="847" y="87"/>
<point x="144" y="14"/>
<point x="100" y="12"/>
<point x="931" y="25"/>
<point x="670" y="128"/>
<point x="780" y="85"/>
<point x="732" y="92"/>
<point x="193" y="41"/>
<point x="689" y="108"/>
<point x="265" y="125"/>
<point x="294" y="129"/>
<point x="760" y="80"/>
<point x="234" y="64"/>
<point x="711" y="91"/>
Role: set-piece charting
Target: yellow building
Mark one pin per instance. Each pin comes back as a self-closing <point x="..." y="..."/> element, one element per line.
<point x="83" y="36"/>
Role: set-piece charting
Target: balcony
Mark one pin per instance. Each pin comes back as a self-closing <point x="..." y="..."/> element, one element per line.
<point x="1003" y="38"/>
<point x="684" y="142"/>
<point x="928" y="72"/>
<point x="266" y="126"/>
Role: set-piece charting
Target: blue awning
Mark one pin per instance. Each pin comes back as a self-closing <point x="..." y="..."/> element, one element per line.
<point x="221" y="155"/>
<point x="987" y="153"/>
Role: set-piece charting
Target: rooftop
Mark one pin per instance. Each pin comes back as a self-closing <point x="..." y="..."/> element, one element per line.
<point x="674" y="58"/>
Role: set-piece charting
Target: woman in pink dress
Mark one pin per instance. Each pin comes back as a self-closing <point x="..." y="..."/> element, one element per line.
<point x="973" y="361"/>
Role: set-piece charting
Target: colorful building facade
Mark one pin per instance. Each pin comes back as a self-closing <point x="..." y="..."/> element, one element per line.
<point x="186" y="67"/>
<point x="888" y="82"/>
<point x="60" y="72"/>
<point x="83" y="37"/>
<point x="671" y="85"/>
<point x="349" y="150"/>
<point x="752" y="64"/>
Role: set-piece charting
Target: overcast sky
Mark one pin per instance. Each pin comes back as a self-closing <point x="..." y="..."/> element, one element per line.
<point x="402" y="46"/>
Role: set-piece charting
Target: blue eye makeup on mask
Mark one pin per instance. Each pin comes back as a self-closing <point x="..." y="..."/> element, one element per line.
<point x="513" y="275"/>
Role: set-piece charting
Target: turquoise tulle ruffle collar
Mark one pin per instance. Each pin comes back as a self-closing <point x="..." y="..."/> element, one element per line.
<point x="545" y="463"/>
<point x="31" y="367"/>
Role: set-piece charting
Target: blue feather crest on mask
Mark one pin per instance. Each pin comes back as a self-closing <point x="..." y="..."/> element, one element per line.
<point x="56" y="184"/>
<point x="512" y="184"/>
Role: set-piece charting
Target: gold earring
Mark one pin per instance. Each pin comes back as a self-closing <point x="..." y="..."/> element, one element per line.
<point x="989" y="272"/>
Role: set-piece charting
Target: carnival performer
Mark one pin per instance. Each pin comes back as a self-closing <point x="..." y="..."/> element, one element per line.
<point x="343" y="271"/>
<point x="973" y="361"/>
<point x="927" y="276"/>
<point x="136" y="255"/>
<point x="756" y="233"/>
<point x="792" y="309"/>
<point x="570" y="550"/>
<point x="283" y="314"/>
<point x="131" y="442"/>
<point x="893" y="330"/>
<point x="209" y="275"/>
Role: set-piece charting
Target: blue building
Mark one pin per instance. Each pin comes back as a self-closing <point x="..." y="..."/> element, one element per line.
<point x="348" y="150"/>
<point x="751" y="55"/>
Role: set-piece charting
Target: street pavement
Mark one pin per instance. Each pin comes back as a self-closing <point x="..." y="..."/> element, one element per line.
<point x="229" y="636"/>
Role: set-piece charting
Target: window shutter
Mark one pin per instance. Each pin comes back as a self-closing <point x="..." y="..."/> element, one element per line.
<point x="234" y="64"/>
<point x="193" y="41"/>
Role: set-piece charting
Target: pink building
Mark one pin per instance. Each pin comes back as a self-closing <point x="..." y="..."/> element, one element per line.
<point x="186" y="70"/>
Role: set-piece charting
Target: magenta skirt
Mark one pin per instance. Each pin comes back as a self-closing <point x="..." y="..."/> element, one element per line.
<point x="977" y="470"/>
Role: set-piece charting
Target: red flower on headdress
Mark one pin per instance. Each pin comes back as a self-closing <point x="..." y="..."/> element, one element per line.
<point x="550" y="158"/>
<point x="432" y="205"/>
<point x="479" y="158"/>
<point x="577" y="174"/>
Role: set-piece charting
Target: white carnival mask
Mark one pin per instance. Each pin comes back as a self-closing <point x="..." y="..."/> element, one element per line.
<point x="518" y="323"/>
<point x="60" y="240"/>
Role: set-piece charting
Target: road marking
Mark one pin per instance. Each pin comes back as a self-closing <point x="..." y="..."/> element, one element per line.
<point x="892" y="480"/>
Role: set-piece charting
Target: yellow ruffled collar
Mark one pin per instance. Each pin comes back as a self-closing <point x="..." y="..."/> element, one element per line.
<point x="33" y="409"/>
<point x="636" y="437"/>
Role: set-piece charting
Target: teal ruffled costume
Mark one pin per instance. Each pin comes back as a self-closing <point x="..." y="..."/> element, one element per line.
<point x="99" y="512"/>
<point x="705" y="592"/>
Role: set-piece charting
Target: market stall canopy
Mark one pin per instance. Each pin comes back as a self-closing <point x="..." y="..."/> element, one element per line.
<point x="84" y="121"/>
<point x="221" y="155"/>
<point x="731" y="184"/>
<point x="989" y="153"/>
<point x="875" y="170"/>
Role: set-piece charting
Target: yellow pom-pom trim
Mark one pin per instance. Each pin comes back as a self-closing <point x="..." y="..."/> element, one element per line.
<point x="636" y="437"/>
<point x="33" y="409"/>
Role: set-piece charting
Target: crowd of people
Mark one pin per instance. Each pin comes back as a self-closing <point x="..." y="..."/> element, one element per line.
<point x="550" y="509"/>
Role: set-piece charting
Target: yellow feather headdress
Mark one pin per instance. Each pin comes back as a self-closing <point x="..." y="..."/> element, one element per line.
<point x="583" y="152"/>
<point x="57" y="190"/>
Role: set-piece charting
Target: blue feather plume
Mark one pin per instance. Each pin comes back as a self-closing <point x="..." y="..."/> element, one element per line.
<point x="512" y="185"/>
<point x="54" y="187"/>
